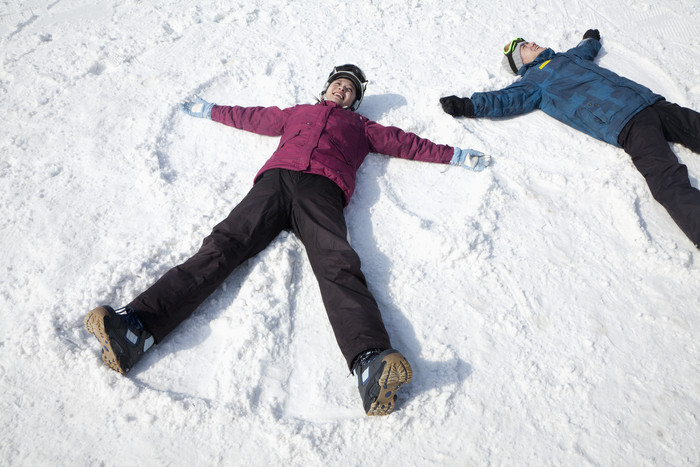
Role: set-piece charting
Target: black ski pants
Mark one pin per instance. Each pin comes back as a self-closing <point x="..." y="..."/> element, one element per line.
<point x="310" y="205"/>
<point x="645" y="138"/>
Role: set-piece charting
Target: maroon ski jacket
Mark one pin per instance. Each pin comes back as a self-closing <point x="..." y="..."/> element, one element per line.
<point x="327" y="140"/>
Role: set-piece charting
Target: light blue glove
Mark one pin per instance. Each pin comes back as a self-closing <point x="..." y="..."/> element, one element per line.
<point x="197" y="108"/>
<point x="470" y="159"/>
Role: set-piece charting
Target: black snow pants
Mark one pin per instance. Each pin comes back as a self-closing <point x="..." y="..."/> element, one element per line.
<point x="645" y="138"/>
<point x="312" y="206"/>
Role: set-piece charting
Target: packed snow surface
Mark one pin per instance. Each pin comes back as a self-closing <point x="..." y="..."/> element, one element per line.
<point x="549" y="306"/>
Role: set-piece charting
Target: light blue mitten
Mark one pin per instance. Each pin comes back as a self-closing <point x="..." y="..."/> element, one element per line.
<point x="197" y="108"/>
<point x="470" y="159"/>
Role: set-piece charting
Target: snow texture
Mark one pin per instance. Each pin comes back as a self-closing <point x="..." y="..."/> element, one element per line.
<point x="549" y="307"/>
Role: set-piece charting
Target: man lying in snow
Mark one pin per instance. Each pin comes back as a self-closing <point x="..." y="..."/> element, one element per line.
<point x="571" y="88"/>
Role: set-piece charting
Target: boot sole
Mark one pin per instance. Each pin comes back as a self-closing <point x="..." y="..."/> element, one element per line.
<point x="395" y="374"/>
<point x="95" y="324"/>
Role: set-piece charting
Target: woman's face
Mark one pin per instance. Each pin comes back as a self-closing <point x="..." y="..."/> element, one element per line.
<point x="342" y="92"/>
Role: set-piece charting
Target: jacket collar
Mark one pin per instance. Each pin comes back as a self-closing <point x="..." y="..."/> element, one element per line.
<point x="541" y="58"/>
<point x="332" y="104"/>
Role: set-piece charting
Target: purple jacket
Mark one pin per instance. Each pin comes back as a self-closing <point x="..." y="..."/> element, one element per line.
<point x="327" y="140"/>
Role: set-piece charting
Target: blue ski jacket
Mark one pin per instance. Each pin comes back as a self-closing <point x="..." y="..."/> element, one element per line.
<point x="571" y="88"/>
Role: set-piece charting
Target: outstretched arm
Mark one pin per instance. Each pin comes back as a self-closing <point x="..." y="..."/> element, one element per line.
<point x="589" y="46"/>
<point x="261" y="120"/>
<point x="393" y="141"/>
<point x="518" y="98"/>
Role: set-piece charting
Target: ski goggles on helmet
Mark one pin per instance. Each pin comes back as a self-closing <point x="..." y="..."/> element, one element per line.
<point x="508" y="50"/>
<point x="351" y="69"/>
<point x="354" y="74"/>
<point x="510" y="46"/>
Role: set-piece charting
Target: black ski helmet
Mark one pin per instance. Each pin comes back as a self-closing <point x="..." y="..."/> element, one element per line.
<point x="354" y="74"/>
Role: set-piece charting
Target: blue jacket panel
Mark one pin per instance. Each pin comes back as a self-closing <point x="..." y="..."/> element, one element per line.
<point x="571" y="88"/>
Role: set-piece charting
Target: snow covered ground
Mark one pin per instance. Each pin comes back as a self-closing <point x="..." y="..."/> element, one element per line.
<point x="549" y="307"/>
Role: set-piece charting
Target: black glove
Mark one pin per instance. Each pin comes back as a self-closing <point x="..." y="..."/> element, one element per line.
<point x="457" y="106"/>
<point x="592" y="33"/>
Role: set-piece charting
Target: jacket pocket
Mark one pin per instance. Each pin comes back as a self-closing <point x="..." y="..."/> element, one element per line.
<point x="288" y="137"/>
<point x="347" y="154"/>
<point x="597" y="113"/>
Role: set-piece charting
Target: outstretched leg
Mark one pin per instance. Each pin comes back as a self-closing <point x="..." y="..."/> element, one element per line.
<point x="318" y="221"/>
<point x="680" y="124"/>
<point x="645" y="140"/>
<point x="248" y="229"/>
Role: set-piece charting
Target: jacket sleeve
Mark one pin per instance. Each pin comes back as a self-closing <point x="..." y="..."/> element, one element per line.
<point x="393" y="141"/>
<point x="267" y="121"/>
<point x="518" y="98"/>
<point x="587" y="49"/>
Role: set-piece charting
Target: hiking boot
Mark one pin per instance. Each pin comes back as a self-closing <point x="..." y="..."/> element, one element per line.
<point x="379" y="375"/>
<point x="121" y="335"/>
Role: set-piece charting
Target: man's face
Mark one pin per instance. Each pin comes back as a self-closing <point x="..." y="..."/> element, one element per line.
<point x="529" y="51"/>
<point x="341" y="91"/>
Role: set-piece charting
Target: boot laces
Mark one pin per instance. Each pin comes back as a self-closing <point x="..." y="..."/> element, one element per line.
<point x="132" y="320"/>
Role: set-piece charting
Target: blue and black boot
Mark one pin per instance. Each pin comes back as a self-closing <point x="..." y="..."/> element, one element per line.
<point x="120" y="333"/>
<point x="379" y="375"/>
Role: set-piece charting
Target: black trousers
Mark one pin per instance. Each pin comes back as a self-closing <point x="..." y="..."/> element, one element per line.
<point x="646" y="138"/>
<point x="312" y="206"/>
